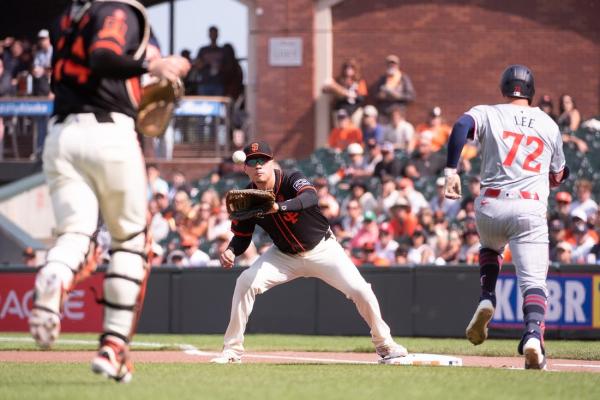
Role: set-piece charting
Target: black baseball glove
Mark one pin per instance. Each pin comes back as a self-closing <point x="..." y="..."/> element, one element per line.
<point x="249" y="203"/>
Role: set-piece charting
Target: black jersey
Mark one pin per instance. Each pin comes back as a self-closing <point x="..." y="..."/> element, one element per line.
<point x="291" y="231"/>
<point x="118" y="27"/>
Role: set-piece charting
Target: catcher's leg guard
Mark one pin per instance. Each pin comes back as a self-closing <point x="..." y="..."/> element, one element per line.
<point x="52" y="283"/>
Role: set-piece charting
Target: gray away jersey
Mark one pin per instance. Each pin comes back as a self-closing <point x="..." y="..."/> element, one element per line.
<point x="519" y="147"/>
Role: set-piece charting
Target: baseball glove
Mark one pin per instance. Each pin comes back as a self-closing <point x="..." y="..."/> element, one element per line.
<point x="157" y="106"/>
<point x="249" y="203"/>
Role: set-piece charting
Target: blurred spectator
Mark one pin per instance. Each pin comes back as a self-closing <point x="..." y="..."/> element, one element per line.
<point x="547" y="106"/>
<point x="386" y="246"/>
<point x="209" y="62"/>
<point x="399" y="131"/>
<point x="406" y="187"/>
<point x="371" y="130"/>
<point x="395" y="87"/>
<point x="451" y="254"/>
<point x="177" y="258"/>
<point x="568" y="122"/>
<point x="389" y="164"/>
<point x="349" y="90"/>
<point x="402" y="254"/>
<point x="159" y="225"/>
<point x="584" y="201"/>
<point x="43" y="54"/>
<point x="358" y="167"/>
<point x="358" y="192"/>
<point x="327" y="202"/>
<point x="232" y="73"/>
<point x="374" y="157"/>
<point x="440" y="202"/>
<point x="420" y="252"/>
<point x="564" y="252"/>
<point x="556" y="234"/>
<point x="155" y="183"/>
<point x="345" y="133"/>
<point x="371" y="258"/>
<point x="424" y="162"/>
<point x="178" y="182"/>
<point x="29" y="257"/>
<point x="194" y="256"/>
<point x="158" y="255"/>
<point x="189" y="221"/>
<point x="211" y="197"/>
<point x="219" y="224"/>
<point x="6" y="89"/>
<point x="15" y="59"/>
<point x="469" y="252"/>
<point x="352" y="220"/>
<point x="389" y="194"/>
<point x="581" y="237"/>
<point x="437" y="126"/>
<point x="368" y="233"/>
<point x="402" y="220"/>
<point x="562" y="211"/>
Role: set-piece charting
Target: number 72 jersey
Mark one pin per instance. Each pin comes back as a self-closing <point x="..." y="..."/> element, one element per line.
<point x="519" y="147"/>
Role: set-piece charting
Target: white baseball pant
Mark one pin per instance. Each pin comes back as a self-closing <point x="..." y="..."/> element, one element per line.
<point x="522" y="224"/>
<point x="328" y="262"/>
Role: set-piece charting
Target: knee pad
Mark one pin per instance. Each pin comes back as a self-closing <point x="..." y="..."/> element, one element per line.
<point x="70" y="249"/>
<point x="122" y="285"/>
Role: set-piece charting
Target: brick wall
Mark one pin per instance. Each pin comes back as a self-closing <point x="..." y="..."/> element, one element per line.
<point x="454" y="51"/>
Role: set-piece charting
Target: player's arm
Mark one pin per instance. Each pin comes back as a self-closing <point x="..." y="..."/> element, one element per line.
<point x="242" y="231"/>
<point x="558" y="164"/>
<point x="461" y="131"/>
<point x="306" y="194"/>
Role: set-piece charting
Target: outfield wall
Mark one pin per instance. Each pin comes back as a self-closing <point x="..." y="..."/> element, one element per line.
<point x="423" y="301"/>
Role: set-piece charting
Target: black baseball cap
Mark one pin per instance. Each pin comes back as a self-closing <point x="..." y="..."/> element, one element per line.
<point x="258" y="149"/>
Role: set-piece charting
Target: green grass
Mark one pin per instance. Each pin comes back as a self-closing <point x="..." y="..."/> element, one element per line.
<point x="289" y="382"/>
<point x="583" y="350"/>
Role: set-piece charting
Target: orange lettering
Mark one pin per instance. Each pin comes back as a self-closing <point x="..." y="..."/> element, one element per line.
<point x="115" y="27"/>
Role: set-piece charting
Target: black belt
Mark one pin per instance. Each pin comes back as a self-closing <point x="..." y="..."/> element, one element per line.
<point x="101" y="117"/>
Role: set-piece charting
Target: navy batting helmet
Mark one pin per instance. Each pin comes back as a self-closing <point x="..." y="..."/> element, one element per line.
<point x="517" y="81"/>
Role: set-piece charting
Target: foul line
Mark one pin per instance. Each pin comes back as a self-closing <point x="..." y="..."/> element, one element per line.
<point x="575" y="365"/>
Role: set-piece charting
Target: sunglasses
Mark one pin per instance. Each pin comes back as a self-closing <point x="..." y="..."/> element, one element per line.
<point x="253" y="162"/>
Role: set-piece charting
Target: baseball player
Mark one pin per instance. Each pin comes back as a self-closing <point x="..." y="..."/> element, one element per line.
<point x="93" y="161"/>
<point x="304" y="246"/>
<point x="522" y="156"/>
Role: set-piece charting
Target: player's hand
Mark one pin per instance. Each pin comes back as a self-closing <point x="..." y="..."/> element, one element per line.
<point x="227" y="258"/>
<point x="170" y="68"/>
<point x="274" y="209"/>
<point x="452" y="187"/>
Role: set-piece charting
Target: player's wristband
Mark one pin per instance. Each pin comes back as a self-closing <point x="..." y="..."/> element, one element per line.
<point x="450" y="172"/>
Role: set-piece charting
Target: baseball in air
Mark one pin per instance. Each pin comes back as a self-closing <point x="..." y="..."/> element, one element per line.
<point x="238" y="157"/>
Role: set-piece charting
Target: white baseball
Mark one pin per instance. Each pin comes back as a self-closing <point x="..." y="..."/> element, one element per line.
<point x="238" y="157"/>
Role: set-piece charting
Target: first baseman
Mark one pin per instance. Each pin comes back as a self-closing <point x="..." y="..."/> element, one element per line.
<point x="93" y="161"/>
<point x="304" y="246"/>
<point x="522" y="157"/>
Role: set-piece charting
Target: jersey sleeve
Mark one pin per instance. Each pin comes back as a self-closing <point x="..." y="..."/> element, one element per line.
<point x="479" y="115"/>
<point x="557" y="162"/>
<point x="243" y="228"/>
<point x="300" y="183"/>
<point x="117" y="29"/>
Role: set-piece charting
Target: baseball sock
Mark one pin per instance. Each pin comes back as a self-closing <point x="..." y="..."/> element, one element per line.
<point x="534" y="310"/>
<point x="490" y="263"/>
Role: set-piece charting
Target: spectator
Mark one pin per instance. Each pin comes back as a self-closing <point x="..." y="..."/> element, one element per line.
<point x="155" y="183"/>
<point x="219" y="224"/>
<point x="352" y="221"/>
<point x="358" y="167"/>
<point x="389" y="164"/>
<point x="395" y="87"/>
<point x="371" y="258"/>
<point x="399" y="131"/>
<point x="424" y="162"/>
<point x="232" y="74"/>
<point x="437" y="126"/>
<point x="15" y="60"/>
<point x="328" y="203"/>
<point x="349" y="90"/>
<point x="568" y="122"/>
<point x="562" y="211"/>
<point x="345" y="133"/>
<point x="402" y="220"/>
<point x="159" y="225"/>
<point x="564" y="252"/>
<point x="371" y="130"/>
<point x="386" y="246"/>
<point x="469" y="252"/>
<point x="368" y="233"/>
<point x="194" y="256"/>
<point x="547" y="106"/>
<point x="6" y="89"/>
<point x="389" y="195"/>
<point x="417" y="201"/>
<point x="374" y="157"/>
<point x="211" y="197"/>
<point x="581" y="237"/>
<point x="43" y="54"/>
<point x="189" y="221"/>
<point x="557" y="234"/>
<point x="178" y="182"/>
<point x="451" y="254"/>
<point x="584" y="201"/>
<point x="177" y="258"/>
<point x="29" y="257"/>
<point x="420" y="252"/>
<point x="402" y="255"/>
<point x="358" y="192"/>
<point x="209" y="62"/>
<point x="440" y="202"/>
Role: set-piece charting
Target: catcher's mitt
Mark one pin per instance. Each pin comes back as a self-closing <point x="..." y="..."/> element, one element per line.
<point x="157" y="106"/>
<point x="249" y="203"/>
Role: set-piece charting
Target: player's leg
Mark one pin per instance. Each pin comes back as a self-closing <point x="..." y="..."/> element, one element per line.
<point x="271" y="269"/>
<point x="121" y="182"/>
<point x="76" y="211"/>
<point x="491" y="228"/>
<point x="329" y="262"/>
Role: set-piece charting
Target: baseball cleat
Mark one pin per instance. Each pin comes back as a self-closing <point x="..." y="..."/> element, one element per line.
<point x="112" y="360"/>
<point x="390" y="352"/>
<point x="227" y="357"/>
<point x="532" y="348"/>
<point x="477" y="330"/>
<point x="44" y="319"/>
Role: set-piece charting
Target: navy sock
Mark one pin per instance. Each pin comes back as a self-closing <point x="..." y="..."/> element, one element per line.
<point x="534" y="310"/>
<point x="490" y="263"/>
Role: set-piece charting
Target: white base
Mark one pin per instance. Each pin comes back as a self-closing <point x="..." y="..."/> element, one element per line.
<point x="425" y="359"/>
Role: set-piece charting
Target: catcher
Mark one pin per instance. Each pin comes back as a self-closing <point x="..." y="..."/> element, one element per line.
<point x="304" y="246"/>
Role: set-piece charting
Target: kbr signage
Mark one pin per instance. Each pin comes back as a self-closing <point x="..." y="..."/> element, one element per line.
<point x="81" y="313"/>
<point x="573" y="302"/>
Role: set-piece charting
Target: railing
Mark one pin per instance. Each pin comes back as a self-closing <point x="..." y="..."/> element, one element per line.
<point x="201" y="127"/>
